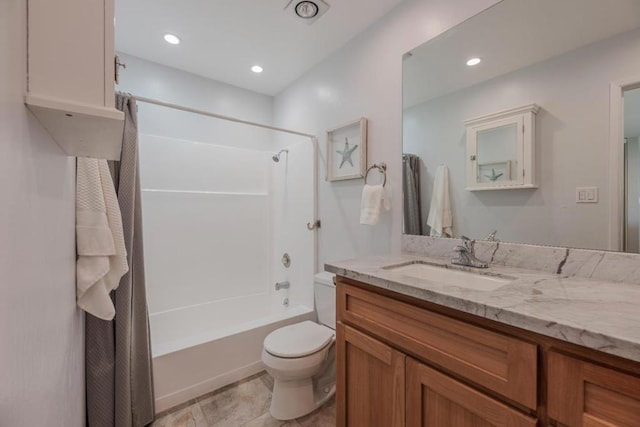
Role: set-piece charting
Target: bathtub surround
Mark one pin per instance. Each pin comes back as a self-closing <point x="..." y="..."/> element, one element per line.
<point x="205" y="303"/>
<point x="119" y="384"/>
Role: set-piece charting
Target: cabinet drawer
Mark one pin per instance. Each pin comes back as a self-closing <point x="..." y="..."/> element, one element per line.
<point x="435" y="400"/>
<point x="503" y="364"/>
<point x="584" y="394"/>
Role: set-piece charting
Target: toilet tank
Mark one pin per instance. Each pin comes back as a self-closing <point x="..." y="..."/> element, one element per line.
<point x="324" y="291"/>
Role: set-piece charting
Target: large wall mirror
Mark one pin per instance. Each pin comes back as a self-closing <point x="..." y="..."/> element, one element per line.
<point x="543" y="70"/>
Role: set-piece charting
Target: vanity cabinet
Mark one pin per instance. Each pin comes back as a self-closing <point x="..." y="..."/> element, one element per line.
<point x="404" y="361"/>
<point x="586" y="394"/>
<point x="71" y="68"/>
<point x="372" y="377"/>
<point x="435" y="400"/>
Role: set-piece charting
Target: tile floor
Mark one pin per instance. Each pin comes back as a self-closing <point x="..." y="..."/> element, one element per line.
<point x="244" y="404"/>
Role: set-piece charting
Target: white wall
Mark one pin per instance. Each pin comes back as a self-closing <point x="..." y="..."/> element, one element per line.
<point x="41" y="331"/>
<point x="148" y="79"/>
<point x="572" y="150"/>
<point x="364" y="78"/>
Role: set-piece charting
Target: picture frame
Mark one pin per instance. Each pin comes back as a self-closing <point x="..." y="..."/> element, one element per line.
<point x="347" y="151"/>
<point x="495" y="172"/>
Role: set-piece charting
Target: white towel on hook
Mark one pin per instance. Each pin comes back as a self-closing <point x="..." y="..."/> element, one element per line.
<point x="102" y="256"/>
<point x="373" y="202"/>
<point x="440" y="219"/>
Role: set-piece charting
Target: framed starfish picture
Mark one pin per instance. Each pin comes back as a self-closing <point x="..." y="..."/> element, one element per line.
<point x="347" y="151"/>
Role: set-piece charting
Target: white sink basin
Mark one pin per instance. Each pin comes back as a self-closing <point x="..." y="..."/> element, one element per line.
<point x="451" y="277"/>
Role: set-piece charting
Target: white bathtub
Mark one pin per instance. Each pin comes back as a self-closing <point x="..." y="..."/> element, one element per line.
<point x="201" y="348"/>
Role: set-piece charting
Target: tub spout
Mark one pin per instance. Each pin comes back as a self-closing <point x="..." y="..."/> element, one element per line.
<point x="282" y="285"/>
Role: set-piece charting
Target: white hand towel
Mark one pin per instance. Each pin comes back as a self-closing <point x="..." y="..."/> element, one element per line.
<point x="373" y="201"/>
<point x="440" y="219"/>
<point x="102" y="256"/>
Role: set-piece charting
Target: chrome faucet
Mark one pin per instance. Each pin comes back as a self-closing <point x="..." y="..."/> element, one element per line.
<point x="466" y="255"/>
<point x="491" y="237"/>
<point x="282" y="285"/>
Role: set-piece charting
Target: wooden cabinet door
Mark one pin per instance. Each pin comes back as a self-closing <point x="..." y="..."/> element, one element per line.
<point x="370" y="378"/>
<point x="436" y="400"/>
<point x="584" y="394"/>
<point x="498" y="362"/>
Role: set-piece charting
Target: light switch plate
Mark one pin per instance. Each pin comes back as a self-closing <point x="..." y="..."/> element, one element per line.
<point x="586" y="194"/>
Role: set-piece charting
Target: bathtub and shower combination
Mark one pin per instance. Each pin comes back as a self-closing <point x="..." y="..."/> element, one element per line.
<point x="218" y="217"/>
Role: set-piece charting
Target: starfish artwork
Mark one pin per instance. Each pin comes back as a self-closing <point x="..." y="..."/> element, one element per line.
<point x="346" y="153"/>
<point x="494" y="177"/>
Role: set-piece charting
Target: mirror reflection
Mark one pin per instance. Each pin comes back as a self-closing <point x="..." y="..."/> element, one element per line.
<point x="510" y="126"/>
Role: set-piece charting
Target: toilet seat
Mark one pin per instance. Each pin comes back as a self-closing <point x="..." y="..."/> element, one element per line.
<point x="298" y="340"/>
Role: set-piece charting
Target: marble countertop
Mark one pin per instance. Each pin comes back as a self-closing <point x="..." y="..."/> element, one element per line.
<point x="592" y="313"/>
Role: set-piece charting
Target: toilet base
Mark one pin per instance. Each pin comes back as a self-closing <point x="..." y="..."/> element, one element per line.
<point x="294" y="399"/>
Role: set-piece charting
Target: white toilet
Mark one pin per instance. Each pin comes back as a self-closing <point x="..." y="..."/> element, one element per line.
<point x="301" y="357"/>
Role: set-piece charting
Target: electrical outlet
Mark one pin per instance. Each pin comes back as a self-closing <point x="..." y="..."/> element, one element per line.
<point x="586" y="194"/>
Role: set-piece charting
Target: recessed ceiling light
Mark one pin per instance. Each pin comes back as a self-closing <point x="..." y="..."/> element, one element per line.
<point x="171" y="38"/>
<point x="256" y="69"/>
<point x="307" y="9"/>
<point x="473" y="61"/>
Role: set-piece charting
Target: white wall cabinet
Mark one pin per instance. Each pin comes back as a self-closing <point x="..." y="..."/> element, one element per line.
<point x="71" y="75"/>
<point x="501" y="150"/>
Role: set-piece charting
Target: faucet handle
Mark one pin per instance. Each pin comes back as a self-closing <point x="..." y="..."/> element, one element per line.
<point x="468" y="243"/>
<point x="491" y="237"/>
<point x="460" y="249"/>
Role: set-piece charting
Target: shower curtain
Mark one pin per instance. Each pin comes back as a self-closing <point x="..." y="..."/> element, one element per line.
<point x="119" y="381"/>
<point x="411" y="189"/>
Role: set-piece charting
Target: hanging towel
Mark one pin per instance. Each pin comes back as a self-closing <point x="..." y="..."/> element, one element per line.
<point x="102" y="257"/>
<point x="440" y="219"/>
<point x="373" y="201"/>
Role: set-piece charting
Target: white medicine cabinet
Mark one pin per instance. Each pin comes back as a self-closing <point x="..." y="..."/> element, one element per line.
<point x="71" y="73"/>
<point x="501" y="150"/>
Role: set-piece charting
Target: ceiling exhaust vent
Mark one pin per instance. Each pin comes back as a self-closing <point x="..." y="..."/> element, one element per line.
<point x="308" y="11"/>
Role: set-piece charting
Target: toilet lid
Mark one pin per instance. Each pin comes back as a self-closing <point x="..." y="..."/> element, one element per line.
<point x="298" y="340"/>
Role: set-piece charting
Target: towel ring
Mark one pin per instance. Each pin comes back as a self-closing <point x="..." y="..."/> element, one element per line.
<point x="382" y="167"/>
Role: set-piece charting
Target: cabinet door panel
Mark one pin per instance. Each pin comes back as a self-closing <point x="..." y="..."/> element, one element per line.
<point x="584" y="394"/>
<point x="371" y="377"/>
<point x="498" y="362"/>
<point x="436" y="400"/>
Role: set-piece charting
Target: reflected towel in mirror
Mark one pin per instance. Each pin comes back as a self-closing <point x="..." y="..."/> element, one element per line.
<point x="440" y="219"/>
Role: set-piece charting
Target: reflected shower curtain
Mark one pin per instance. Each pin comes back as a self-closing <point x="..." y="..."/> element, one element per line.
<point x="119" y="381"/>
<point x="411" y="190"/>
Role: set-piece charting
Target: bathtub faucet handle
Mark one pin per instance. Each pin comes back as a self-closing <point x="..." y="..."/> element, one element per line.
<point x="282" y="285"/>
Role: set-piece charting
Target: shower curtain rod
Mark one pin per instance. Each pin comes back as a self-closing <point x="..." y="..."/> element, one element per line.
<point x="218" y="116"/>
